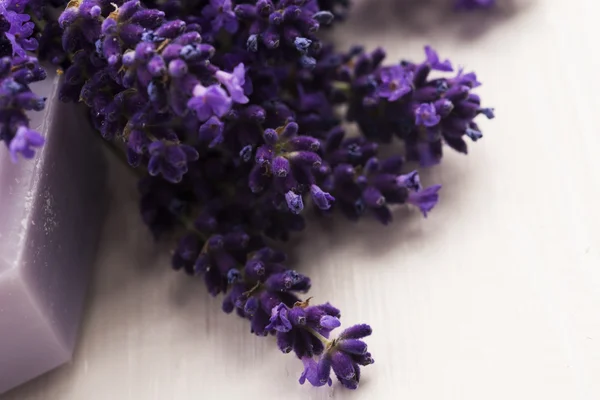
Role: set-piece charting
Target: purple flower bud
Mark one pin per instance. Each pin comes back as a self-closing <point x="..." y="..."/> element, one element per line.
<point x="284" y="281"/>
<point x="211" y="131"/>
<point x="353" y="346"/>
<point x="279" y="319"/>
<point x="285" y="341"/>
<point x="373" y="197"/>
<point x="254" y="269"/>
<point x="246" y="153"/>
<point x="425" y="199"/>
<point x="395" y="83"/>
<point x="210" y="101"/>
<point x="342" y="365"/>
<point x="236" y="240"/>
<point x="443" y="107"/>
<point x="143" y="51"/>
<point x="311" y="373"/>
<point x="323" y="17"/>
<point x="196" y="52"/>
<point x="289" y="131"/>
<point x="127" y="10"/>
<point x="307" y="158"/>
<point x="302" y="44"/>
<point x="257" y="179"/>
<point x="457" y="94"/>
<point x="410" y="181"/>
<point x="294" y="202"/>
<point x="271" y="39"/>
<point x="264" y="155"/>
<point x="280" y="167"/>
<point x="251" y="306"/>
<point x="264" y="7"/>
<point x="473" y="134"/>
<point x="291" y="13"/>
<point x="24" y="142"/>
<point x="148" y="18"/>
<point x="488" y="112"/>
<point x="321" y="199"/>
<point x="297" y="316"/>
<point x="356" y="332"/>
<point x="344" y="173"/>
<point x="215" y="243"/>
<point x="330" y="323"/>
<point x="276" y="17"/>
<point x="324" y="370"/>
<point x="177" y="68"/>
<point x="230" y="302"/>
<point x="128" y="59"/>
<point x="170" y="29"/>
<point x="111" y="50"/>
<point x="433" y="60"/>
<point x="156" y="66"/>
<point x="365" y="359"/>
<point x="130" y="34"/>
<point x="270" y="136"/>
<point x="202" y="264"/>
<point x="234" y="82"/>
<point x="425" y="115"/>
<point x="95" y="11"/>
<point x="68" y="17"/>
<point x="191" y="37"/>
<point x="307" y="62"/>
<point x="252" y="43"/>
<point x="138" y="142"/>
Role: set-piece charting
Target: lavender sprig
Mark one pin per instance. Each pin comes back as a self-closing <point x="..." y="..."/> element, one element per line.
<point x="17" y="71"/>
<point x="261" y="289"/>
<point x="230" y="111"/>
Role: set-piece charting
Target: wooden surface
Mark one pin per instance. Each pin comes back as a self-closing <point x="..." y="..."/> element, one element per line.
<point x="495" y="296"/>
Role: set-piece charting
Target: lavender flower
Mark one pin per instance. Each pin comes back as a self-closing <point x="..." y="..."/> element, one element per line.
<point x="221" y="15"/>
<point x="234" y="82"/>
<point x="425" y="199"/>
<point x="210" y="101"/>
<point x="230" y="111"/>
<point x="16" y="98"/>
<point x="24" y="142"/>
<point x="426" y="115"/>
<point x="432" y="113"/>
<point x="344" y="356"/>
<point x="433" y="59"/>
<point x="395" y="83"/>
<point x="20" y="28"/>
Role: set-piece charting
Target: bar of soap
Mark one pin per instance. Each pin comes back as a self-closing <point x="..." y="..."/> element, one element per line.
<point x="51" y="210"/>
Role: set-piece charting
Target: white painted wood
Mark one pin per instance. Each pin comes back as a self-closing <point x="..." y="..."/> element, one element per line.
<point x="495" y="296"/>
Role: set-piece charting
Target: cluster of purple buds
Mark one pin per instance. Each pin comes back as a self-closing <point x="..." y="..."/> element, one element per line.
<point x="288" y="27"/>
<point x="261" y="289"/>
<point x="16" y="98"/>
<point x="305" y="330"/>
<point x="17" y="71"/>
<point x="402" y="101"/>
<point x="230" y="111"/>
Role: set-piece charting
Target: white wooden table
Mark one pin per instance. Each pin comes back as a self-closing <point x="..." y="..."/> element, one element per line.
<point x="495" y="296"/>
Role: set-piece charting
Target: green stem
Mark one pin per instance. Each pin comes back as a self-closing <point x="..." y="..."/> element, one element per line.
<point x="326" y="342"/>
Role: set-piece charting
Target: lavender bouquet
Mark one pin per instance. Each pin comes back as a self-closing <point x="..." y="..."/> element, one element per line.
<point x="232" y="113"/>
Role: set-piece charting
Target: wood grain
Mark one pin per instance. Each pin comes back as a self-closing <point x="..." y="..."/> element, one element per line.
<point x="494" y="296"/>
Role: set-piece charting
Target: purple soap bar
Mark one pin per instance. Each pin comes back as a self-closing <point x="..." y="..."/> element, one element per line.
<point x="51" y="210"/>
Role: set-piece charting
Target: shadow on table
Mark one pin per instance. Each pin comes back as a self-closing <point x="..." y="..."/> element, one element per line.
<point x="428" y="17"/>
